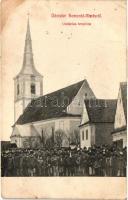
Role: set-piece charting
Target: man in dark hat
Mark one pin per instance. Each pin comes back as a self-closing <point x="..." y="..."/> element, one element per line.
<point x="108" y="168"/>
<point x="55" y="165"/>
<point x="72" y="165"/>
<point x="32" y="164"/>
<point x="25" y="164"/>
<point x="4" y="164"/>
<point x="17" y="163"/>
<point x="60" y="165"/>
<point x="78" y="163"/>
<point x="65" y="167"/>
<point x="10" y="165"/>
<point x="120" y="164"/>
<point x="39" y="166"/>
<point x="124" y="161"/>
<point x="114" y="164"/>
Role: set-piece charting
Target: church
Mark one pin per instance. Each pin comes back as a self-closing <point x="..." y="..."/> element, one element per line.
<point x="48" y="119"/>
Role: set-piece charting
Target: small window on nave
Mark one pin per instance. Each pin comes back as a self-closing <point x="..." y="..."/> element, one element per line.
<point x="86" y="134"/>
<point x="82" y="135"/>
<point x="33" y="88"/>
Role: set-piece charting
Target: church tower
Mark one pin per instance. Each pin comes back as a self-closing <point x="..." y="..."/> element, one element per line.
<point x="28" y="84"/>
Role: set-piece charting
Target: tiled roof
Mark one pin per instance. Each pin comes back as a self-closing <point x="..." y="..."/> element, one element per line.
<point x="51" y="105"/>
<point x="101" y="110"/>
<point x="123" y="86"/>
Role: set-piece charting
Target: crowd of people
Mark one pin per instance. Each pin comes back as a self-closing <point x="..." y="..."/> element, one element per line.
<point x="95" y="161"/>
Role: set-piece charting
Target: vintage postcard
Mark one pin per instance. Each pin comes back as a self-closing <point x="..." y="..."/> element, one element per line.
<point x="63" y="99"/>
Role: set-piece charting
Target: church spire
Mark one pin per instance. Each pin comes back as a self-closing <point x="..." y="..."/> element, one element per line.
<point x="28" y="84"/>
<point x="28" y="61"/>
<point x="28" y="35"/>
<point x="28" y="66"/>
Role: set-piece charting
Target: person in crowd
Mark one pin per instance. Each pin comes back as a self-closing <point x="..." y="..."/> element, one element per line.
<point x="108" y="165"/>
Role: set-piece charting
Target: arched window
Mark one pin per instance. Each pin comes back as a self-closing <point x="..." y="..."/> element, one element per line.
<point x="82" y="135"/>
<point x="33" y="88"/>
<point x="18" y="89"/>
<point x="86" y="134"/>
<point x="53" y="134"/>
<point x="42" y="136"/>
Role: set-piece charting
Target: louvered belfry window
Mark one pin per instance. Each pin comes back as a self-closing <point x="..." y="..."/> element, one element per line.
<point x="86" y="134"/>
<point x="33" y="88"/>
<point x="18" y="89"/>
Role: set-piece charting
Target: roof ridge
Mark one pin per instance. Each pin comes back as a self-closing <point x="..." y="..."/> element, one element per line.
<point x="100" y="99"/>
<point x="59" y="89"/>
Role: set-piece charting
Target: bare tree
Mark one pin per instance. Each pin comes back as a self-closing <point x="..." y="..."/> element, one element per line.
<point x="44" y="137"/>
<point x="47" y="137"/>
<point x="59" y="135"/>
<point x="74" y="136"/>
<point x="49" y="142"/>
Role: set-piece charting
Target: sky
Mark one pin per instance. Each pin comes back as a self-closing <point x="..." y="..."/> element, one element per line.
<point x="65" y="54"/>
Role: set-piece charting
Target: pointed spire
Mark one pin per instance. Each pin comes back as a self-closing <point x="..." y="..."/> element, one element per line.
<point x="28" y="34"/>
<point x="28" y="66"/>
<point x="28" y="54"/>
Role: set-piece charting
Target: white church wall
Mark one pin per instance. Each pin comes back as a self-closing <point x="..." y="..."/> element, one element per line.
<point x="65" y="124"/>
<point x="38" y="88"/>
<point x="85" y="117"/>
<point x="45" y="127"/>
<point x="18" y="109"/>
<point x="26" y="102"/>
<point x="74" y="125"/>
<point x="86" y="136"/>
<point x="27" y="89"/>
<point x="60" y="123"/>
